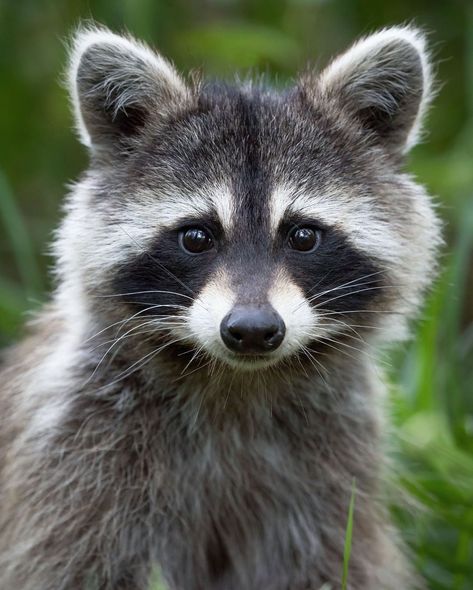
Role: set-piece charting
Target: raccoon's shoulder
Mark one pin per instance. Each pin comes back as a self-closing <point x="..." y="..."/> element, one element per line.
<point x="19" y="362"/>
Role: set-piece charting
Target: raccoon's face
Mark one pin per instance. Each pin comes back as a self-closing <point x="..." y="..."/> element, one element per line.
<point x="245" y="224"/>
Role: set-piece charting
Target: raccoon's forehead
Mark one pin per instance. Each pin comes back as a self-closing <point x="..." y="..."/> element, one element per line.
<point x="251" y="160"/>
<point x="247" y="154"/>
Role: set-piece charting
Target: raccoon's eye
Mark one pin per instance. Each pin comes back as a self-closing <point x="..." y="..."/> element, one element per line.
<point x="304" y="239"/>
<point x="196" y="240"/>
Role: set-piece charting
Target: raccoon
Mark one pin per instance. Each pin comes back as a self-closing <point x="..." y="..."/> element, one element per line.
<point x="201" y="395"/>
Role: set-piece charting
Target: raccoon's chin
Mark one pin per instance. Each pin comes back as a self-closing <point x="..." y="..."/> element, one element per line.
<point x="249" y="362"/>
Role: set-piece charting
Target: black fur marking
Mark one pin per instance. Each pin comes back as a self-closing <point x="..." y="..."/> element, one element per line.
<point x="166" y="275"/>
<point x="336" y="277"/>
<point x="129" y="121"/>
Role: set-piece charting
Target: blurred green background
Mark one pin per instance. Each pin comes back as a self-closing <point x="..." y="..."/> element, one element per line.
<point x="432" y="401"/>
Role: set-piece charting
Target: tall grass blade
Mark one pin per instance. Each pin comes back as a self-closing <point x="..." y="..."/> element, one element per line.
<point x="348" y="537"/>
<point x="18" y="236"/>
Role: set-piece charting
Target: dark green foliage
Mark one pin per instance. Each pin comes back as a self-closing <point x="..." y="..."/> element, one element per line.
<point x="433" y="401"/>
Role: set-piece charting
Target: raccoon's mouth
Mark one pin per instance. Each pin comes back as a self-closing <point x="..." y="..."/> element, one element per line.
<point x="249" y="362"/>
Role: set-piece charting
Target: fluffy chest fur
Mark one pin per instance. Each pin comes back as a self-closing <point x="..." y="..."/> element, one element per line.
<point x="213" y="498"/>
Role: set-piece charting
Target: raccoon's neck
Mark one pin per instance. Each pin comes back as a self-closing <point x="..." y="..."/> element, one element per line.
<point x="299" y="395"/>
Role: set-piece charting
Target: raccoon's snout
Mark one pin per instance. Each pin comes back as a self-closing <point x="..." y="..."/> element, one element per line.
<point x="252" y="329"/>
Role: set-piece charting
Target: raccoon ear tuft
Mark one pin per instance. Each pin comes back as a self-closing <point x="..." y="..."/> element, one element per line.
<point x="116" y="83"/>
<point x="385" y="81"/>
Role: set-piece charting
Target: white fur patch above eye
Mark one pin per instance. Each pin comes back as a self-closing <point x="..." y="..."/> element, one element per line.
<point x="157" y="211"/>
<point x="338" y="207"/>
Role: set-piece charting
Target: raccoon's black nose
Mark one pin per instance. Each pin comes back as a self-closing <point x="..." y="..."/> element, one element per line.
<point x="252" y="329"/>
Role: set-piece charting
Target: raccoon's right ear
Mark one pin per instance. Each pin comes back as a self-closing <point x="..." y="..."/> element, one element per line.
<point x="116" y="83"/>
<point x="384" y="82"/>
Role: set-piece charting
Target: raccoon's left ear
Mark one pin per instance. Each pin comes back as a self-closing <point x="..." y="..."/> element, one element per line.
<point x="385" y="82"/>
<point x="116" y="84"/>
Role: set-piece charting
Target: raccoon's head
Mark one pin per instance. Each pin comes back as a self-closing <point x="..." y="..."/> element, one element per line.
<point x="244" y="223"/>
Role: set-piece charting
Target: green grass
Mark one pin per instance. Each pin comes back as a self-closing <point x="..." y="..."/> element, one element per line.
<point x="348" y="537"/>
<point x="16" y="297"/>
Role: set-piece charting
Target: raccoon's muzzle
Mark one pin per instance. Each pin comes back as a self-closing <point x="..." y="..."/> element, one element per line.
<point x="252" y="329"/>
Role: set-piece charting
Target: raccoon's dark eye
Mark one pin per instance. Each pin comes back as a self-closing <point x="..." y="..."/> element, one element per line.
<point x="196" y="240"/>
<point x="304" y="239"/>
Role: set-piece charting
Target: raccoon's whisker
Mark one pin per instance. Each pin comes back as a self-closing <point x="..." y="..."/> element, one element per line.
<point x="318" y="366"/>
<point x="148" y="292"/>
<point x="326" y="275"/>
<point x="212" y="366"/>
<point x="134" y="332"/>
<point x="315" y="362"/>
<point x="345" y="287"/>
<point x="151" y="330"/>
<point x="194" y="356"/>
<point x="351" y="326"/>
<point x="355" y="338"/>
<point x="325" y="340"/>
<point x="104" y="330"/>
<point x="228" y="388"/>
<point x="156" y="321"/>
<point x="195" y="369"/>
<point x="297" y="358"/>
<point x="158" y="263"/>
<point x="321" y="338"/>
<point x="349" y="294"/>
<point x="349" y="311"/>
<point x="164" y="321"/>
<point x="139" y="364"/>
<point x="196" y="415"/>
<point x="341" y="351"/>
<point x="345" y="325"/>
<point x="172" y="305"/>
<point x="353" y="283"/>
<point x="374" y="287"/>
<point x="115" y="342"/>
<point x="152" y="334"/>
<point x="172" y="320"/>
<point x="138" y="313"/>
<point x="124" y="321"/>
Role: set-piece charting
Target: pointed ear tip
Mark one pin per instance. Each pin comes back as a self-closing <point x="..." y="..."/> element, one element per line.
<point x="413" y="35"/>
<point x="406" y="35"/>
<point x="417" y="38"/>
<point x="87" y="35"/>
<point x="83" y="37"/>
<point x="403" y="35"/>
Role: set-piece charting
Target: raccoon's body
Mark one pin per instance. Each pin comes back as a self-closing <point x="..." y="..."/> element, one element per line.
<point x="200" y="397"/>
